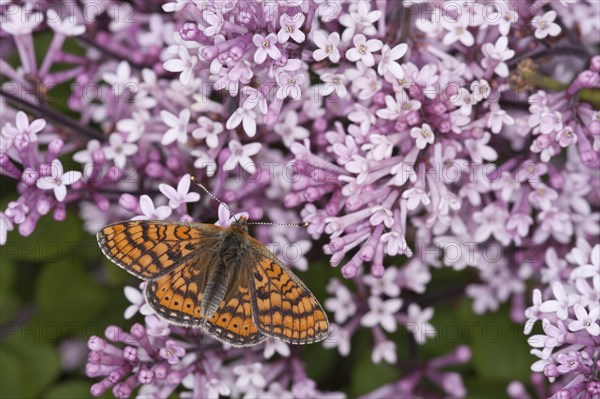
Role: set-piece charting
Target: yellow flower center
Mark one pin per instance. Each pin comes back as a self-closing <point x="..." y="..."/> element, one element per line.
<point x="266" y="43"/>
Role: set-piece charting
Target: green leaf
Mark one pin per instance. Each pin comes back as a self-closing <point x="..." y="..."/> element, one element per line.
<point x="66" y="294"/>
<point x="11" y="375"/>
<point x="366" y="376"/>
<point x="499" y="347"/>
<point x="27" y="368"/>
<point x="51" y="241"/>
<point x="75" y="389"/>
<point x="9" y="301"/>
<point x="319" y="361"/>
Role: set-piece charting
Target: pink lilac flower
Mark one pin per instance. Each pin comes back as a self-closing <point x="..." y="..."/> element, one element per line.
<point x="423" y="135"/>
<point x="363" y="50"/>
<point x="381" y="312"/>
<point x="327" y="46"/>
<point x="150" y="211"/>
<point x="265" y="46"/>
<point x="458" y="30"/>
<point x="240" y="155"/>
<point x="178" y="126"/>
<point x="291" y="27"/>
<point x="180" y="195"/>
<point x="545" y="26"/>
<point x="57" y="180"/>
<point x="119" y="150"/>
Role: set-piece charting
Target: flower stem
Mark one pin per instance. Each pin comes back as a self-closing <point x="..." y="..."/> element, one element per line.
<point x="52" y="115"/>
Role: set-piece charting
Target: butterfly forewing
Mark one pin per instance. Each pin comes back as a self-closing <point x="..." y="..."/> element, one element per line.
<point x="283" y="306"/>
<point x="150" y="249"/>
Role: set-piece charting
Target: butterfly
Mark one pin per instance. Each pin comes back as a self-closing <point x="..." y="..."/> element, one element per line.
<point x="218" y="278"/>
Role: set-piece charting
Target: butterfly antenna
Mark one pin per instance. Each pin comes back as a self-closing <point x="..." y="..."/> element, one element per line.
<point x="208" y="192"/>
<point x="303" y="224"/>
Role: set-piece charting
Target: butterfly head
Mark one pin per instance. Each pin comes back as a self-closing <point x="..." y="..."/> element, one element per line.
<point x="241" y="222"/>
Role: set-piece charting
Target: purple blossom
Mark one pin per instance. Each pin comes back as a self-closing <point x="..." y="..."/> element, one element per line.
<point x="172" y="352"/>
<point x="57" y="180"/>
<point x="182" y="194"/>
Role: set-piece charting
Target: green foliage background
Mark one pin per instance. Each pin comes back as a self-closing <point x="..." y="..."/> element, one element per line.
<point x="56" y="287"/>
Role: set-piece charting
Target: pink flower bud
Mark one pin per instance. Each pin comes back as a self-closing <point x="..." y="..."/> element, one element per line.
<point x="437" y="108"/>
<point x="29" y="176"/>
<point x="595" y="64"/>
<point x="43" y="205"/>
<point x="282" y="60"/>
<point x="543" y="141"/>
<point x="186" y="218"/>
<point x="189" y="31"/>
<point x="551" y="370"/>
<point x="45" y="170"/>
<point x="445" y="126"/>
<point x="255" y="213"/>
<point x="377" y="271"/>
<point x="154" y="155"/>
<point x="379" y="99"/>
<point x="60" y="212"/>
<point x="102" y="202"/>
<point x="292" y="200"/>
<point x="463" y="353"/>
<point x="209" y="53"/>
<point x="154" y="170"/>
<point x="173" y="163"/>
<point x="55" y="147"/>
<point x="236" y="53"/>
<point x="229" y="196"/>
<point x="413" y="118"/>
<point x="320" y="125"/>
<point x="594" y="128"/>
<point x="349" y="270"/>
<point x="128" y="202"/>
<point x="588" y="157"/>
<point x="27" y="227"/>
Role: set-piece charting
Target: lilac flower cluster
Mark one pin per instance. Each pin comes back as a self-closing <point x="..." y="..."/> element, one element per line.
<point x="159" y="358"/>
<point x="570" y="346"/>
<point x="411" y="135"/>
<point x="151" y="358"/>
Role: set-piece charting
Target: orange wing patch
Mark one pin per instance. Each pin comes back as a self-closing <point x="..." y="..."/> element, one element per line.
<point x="150" y="249"/>
<point x="232" y="322"/>
<point x="177" y="296"/>
<point x="283" y="306"/>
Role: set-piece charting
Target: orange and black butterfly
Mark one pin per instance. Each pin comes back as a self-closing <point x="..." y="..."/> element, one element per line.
<point x="217" y="278"/>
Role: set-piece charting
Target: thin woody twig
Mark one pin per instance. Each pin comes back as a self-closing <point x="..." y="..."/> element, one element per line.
<point x="52" y="115"/>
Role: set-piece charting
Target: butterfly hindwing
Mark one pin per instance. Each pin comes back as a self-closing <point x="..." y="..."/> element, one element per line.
<point x="151" y="249"/>
<point x="177" y="295"/>
<point x="232" y="322"/>
<point x="283" y="307"/>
